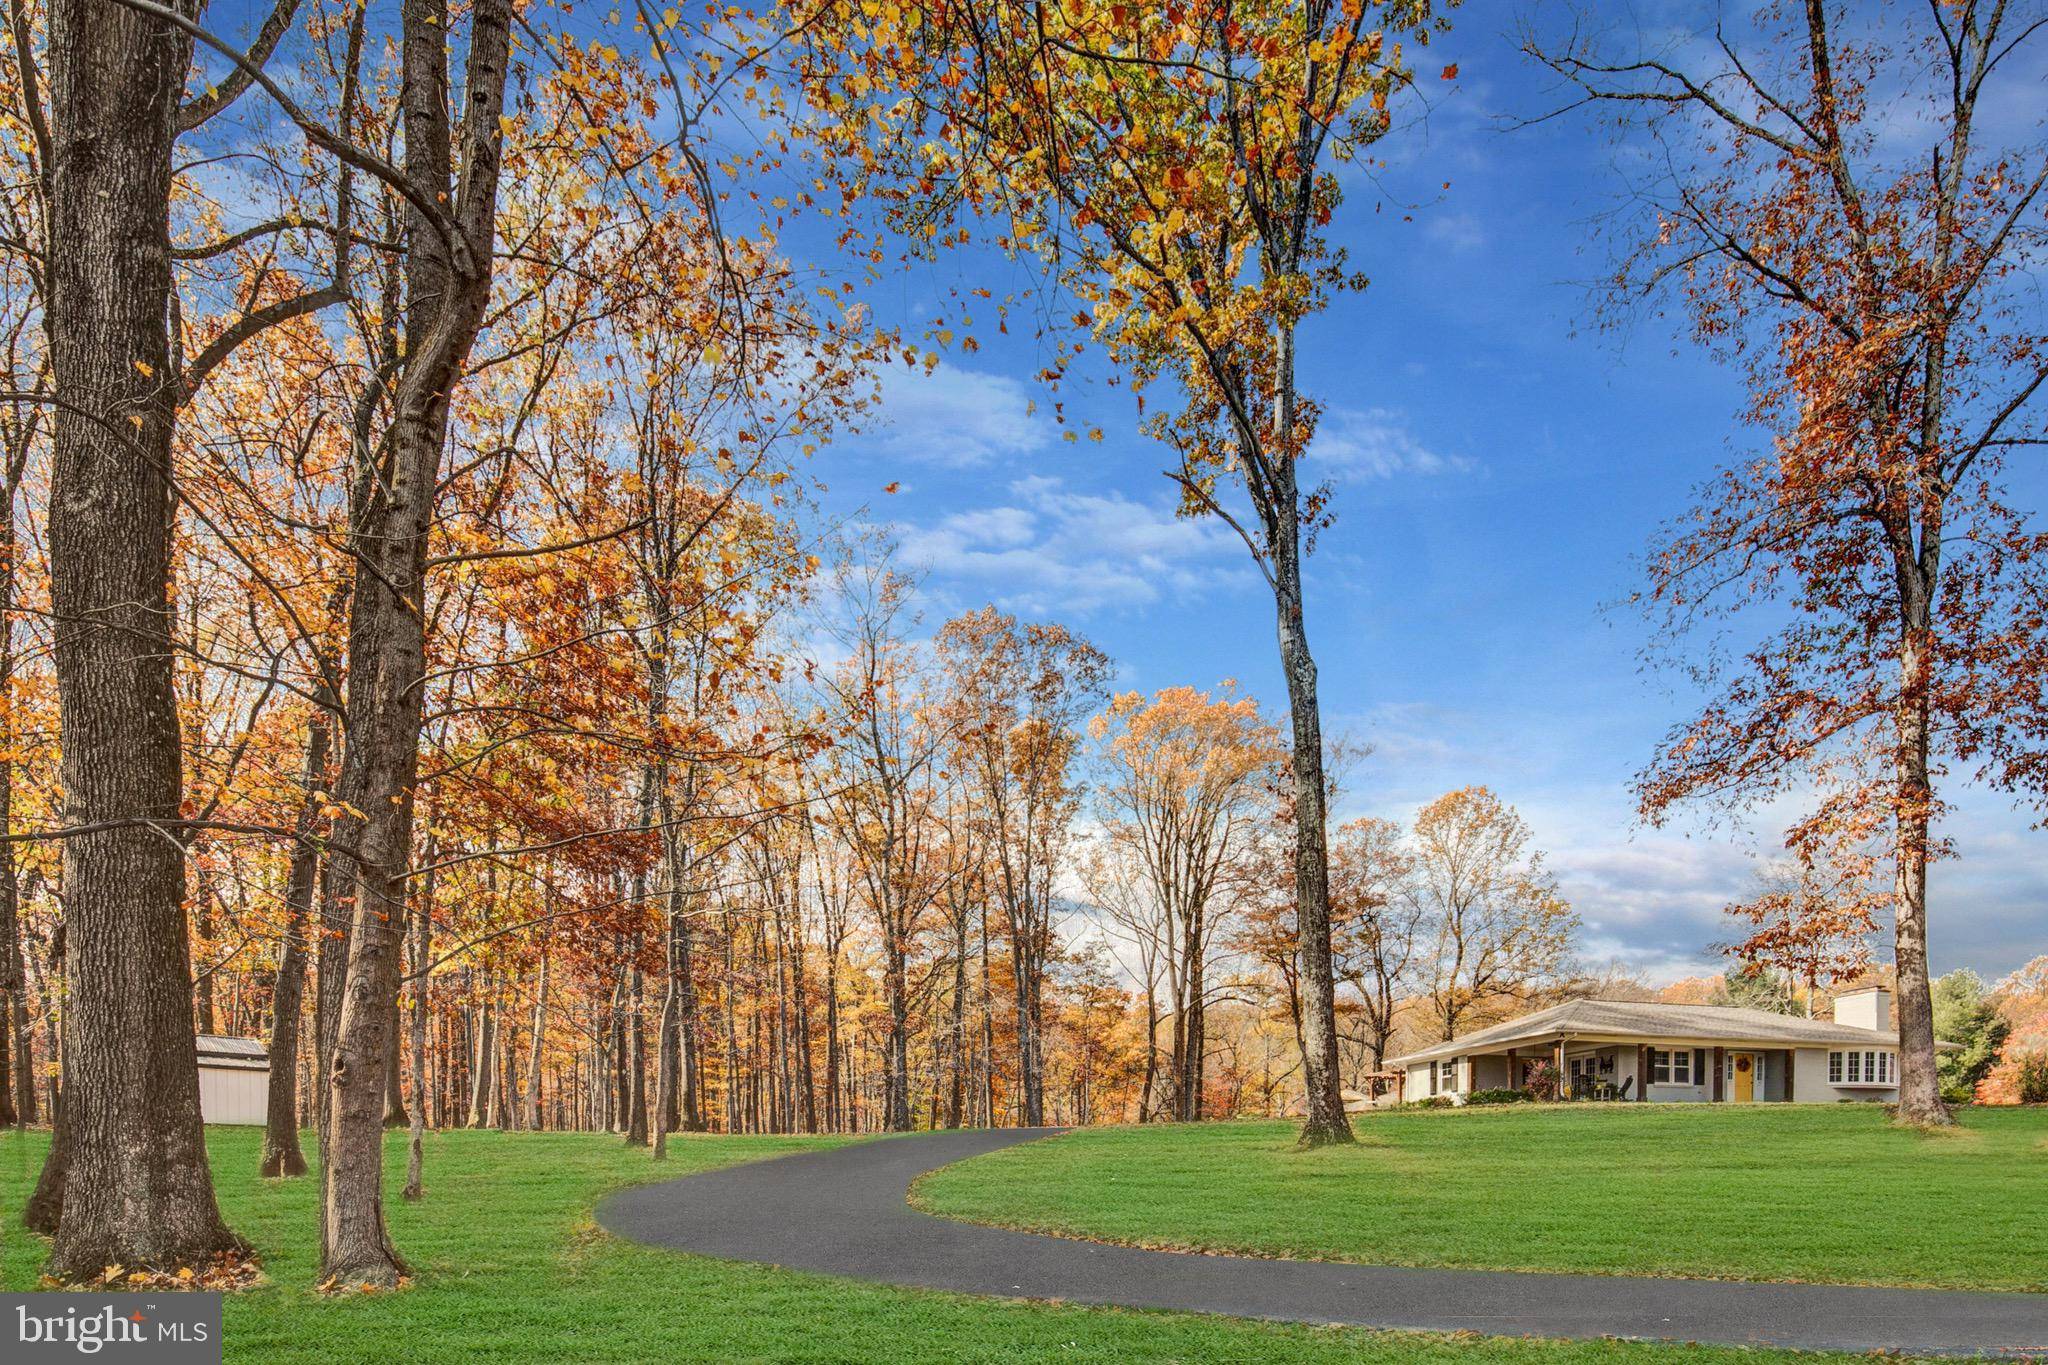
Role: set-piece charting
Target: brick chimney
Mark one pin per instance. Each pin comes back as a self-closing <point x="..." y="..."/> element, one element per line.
<point x="1870" y="1007"/>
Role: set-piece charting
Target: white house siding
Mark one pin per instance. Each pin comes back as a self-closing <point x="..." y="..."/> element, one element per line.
<point x="1677" y="1094"/>
<point x="1810" y="1082"/>
<point x="233" y="1094"/>
<point x="1700" y="1090"/>
<point x="1807" y="1067"/>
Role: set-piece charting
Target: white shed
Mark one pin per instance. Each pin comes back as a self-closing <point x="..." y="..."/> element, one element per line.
<point x="234" y="1079"/>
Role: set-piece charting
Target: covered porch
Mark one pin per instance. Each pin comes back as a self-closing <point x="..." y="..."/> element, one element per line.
<point x="1619" y="1069"/>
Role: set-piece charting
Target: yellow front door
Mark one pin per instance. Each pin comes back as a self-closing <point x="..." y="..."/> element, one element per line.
<point x="1745" y="1078"/>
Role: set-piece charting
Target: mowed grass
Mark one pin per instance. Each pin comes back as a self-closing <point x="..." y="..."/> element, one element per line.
<point x="511" y="1268"/>
<point x="1821" y="1193"/>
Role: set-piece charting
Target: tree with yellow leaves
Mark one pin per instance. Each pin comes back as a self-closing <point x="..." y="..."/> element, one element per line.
<point x="1175" y="166"/>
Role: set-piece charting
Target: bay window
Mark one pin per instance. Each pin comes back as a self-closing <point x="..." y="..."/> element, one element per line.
<point x="1863" y="1068"/>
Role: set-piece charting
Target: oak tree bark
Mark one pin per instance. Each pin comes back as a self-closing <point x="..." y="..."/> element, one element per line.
<point x="137" y="1190"/>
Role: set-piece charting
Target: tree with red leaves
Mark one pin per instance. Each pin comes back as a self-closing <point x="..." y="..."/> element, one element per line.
<point x="1834" y="214"/>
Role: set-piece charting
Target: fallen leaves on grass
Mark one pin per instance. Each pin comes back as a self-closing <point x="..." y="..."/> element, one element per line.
<point x="336" y="1287"/>
<point x="225" y="1273"/>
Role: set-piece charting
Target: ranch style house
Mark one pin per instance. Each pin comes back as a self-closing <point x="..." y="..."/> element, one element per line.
<point x="1713" y="1054"/>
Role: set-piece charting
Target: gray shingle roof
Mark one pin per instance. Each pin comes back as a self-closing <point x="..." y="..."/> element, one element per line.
<point x="1652" y="1020"/>
<point x="213" y="1046"/>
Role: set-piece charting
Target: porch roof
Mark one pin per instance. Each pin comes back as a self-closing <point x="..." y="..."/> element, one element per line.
<point x="1635" y="1021"/>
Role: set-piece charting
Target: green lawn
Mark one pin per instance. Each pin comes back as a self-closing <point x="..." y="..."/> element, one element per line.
<point x="511" y="1268"/>
<point x="1831" y="1193"/>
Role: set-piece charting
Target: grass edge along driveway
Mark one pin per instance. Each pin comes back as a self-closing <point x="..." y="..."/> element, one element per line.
<point x="511" y="1268"/>
<point x="1820" y="1193"/>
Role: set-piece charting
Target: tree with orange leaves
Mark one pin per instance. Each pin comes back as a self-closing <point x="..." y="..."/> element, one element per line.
<point x="1017" y="699"/>
<point x="1808" y="921"/>
<point x="1186" y="787"/>
<point x="1871" y="273"/>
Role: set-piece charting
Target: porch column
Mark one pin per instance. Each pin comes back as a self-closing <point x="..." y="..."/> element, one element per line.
<point x="1514" y="1081"/>
<point x="1557" y="1058"/>
<point x="1642" y="1072"/>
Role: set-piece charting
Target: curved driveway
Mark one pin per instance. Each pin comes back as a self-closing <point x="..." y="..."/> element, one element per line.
<point x="844" y="1212"/>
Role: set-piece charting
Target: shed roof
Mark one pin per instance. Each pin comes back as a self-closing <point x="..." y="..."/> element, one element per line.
<point x="1652" y="1020"/>
<point x="218" y="1050"/>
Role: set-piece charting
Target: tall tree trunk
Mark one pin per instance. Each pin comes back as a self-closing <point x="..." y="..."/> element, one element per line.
<point x="1030" y="1084"/>
<point x="653" y="782"/>
<point x="505" y="1117"/>
<point x="1187" y="1099"/>
<point x="18" y="1084"/>
<point x="688" y="1030"/>
<point x="732" y="1041"/>
<point x="484" y="1045"/>
<point x="24" y="1057"/>
<point x="1326" y="1122"/>
<point x="281" y="1154"/>
<point x="835" y="1116"/>
<point x="668" y="1052"/>
<point x="667" y="1072"/>
<point x="636" y="1097"/>
<point x="988" y="1031"/>
<point x="896" y="984"/>
<point x="137" y="1191"/>
<point x="807" y="1089"/>
<point x="448" y="285"/>
<point x="956" y="1097"/>
<point x="422" y="984"/>
<point x="540" y="1021"/>
<point x="44" y="1209"/>
<point x="7" y="1115"/>
<point x="394" y="1090"/>
<point x="202" y="932"/>
<point x="1151" y="1049"/>
<point x="1919" y="1083"/>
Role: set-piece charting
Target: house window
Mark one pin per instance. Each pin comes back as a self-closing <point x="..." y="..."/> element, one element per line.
<point x="1671" y="1068"/>
<point x="1862" y="1068"/>
<point x="1447" y="1071"/>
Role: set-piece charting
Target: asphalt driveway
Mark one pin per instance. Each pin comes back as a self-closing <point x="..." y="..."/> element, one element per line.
<point x="844" y="1212"/>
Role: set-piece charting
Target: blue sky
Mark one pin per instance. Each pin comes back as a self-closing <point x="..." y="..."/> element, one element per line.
<point x="1500" y="461"/>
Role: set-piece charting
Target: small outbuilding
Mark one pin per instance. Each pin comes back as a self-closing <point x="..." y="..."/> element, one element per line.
<point x="234" y="1079"/>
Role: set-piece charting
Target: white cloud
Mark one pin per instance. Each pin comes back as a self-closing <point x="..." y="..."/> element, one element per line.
<point x="1455" y="231"/>
<point x="1375" y="443"/>
<point x="1653" y="898"/>
<point x="1050" y="549"/>
<point x="954" y="417"/>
